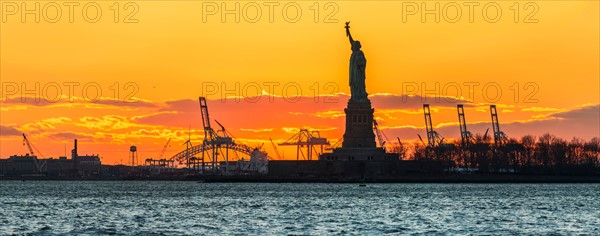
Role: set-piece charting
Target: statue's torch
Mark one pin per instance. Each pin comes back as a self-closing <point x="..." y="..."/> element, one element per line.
<point x="347" y="27"/>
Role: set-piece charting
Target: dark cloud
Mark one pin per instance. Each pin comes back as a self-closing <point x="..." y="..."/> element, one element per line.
<point x="266" y="103"/>
<point x="31" y="101"/>
<point x="413" y="102"/>
<point x="8" y="131"/>
<point x="185" y="105"/>
<point x="582" y="123"/>
<point x="137" y="103"/>
<point x="69" y="135"/>
<point x="585" y="113"/>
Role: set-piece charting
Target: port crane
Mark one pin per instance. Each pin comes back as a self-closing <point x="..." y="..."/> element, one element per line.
<point x="216" y="143"/>
<point x="465" y="135"/>
<point x="213" y="140"/>
<point x="160" y="163"/>
<point x="307" y="138"/>
<point x="39" y="166"/>
<point x="499" y="136"/>
<point x="434" y="139"/>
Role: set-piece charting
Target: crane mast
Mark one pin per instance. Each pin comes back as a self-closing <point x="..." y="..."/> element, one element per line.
<point x="208" y="131"/>
<point x="465" y="135"/>
<point x="499" y="136"/>
<point x="433" y="138"/>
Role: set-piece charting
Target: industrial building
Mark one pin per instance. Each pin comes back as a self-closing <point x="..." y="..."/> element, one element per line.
<point x="30" y="165"/>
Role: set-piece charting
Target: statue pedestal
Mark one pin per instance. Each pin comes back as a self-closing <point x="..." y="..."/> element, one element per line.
<point x="359" y="138"/>
<point x="359" y="125"/>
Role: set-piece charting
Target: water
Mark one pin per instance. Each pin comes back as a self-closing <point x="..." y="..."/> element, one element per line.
<point x="175" y="208"/>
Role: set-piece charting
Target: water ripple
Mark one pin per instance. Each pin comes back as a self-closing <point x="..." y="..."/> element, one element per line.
<point x="188" y="208"/>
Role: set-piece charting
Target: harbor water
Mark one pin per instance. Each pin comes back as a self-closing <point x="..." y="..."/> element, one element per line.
<point x="191" y="208"/>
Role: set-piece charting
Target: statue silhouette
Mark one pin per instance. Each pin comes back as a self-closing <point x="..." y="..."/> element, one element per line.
<point x="358" y="64"/>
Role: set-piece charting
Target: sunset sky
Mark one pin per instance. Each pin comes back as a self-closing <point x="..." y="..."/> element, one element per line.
<point x="138" y="83"/>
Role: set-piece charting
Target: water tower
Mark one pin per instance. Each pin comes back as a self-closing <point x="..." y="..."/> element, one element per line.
<point x="133" y="151"/>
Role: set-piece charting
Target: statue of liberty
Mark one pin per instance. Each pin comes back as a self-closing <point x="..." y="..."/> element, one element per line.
<point x="358" y="64"/>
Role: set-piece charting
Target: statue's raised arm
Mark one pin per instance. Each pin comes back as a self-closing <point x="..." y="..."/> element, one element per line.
<point x="348" y="32"/>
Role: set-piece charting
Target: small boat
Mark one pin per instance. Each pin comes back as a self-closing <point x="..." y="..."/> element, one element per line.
<point x="362" y="182"/>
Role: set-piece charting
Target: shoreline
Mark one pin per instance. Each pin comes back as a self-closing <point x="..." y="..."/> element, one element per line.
<point x="450" y="179"/>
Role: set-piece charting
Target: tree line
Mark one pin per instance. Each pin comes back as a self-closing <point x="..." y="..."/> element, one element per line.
<point x="546" y="154"/>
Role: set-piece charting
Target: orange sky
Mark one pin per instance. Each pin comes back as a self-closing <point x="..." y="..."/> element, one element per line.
<point x="174" y="50"/>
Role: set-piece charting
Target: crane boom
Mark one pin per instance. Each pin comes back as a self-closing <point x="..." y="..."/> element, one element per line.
<point x="485" y="136"/>
<point x="421" y="139"/>
<point x="31" y="147"/>
<point x="162" y="153"/>
<point x="378" y="132"/>
<point x="26" y="141"/>
<point x="39" y="166"/>
<point x="220" y="125"/>
<point x="276" y="150"/>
